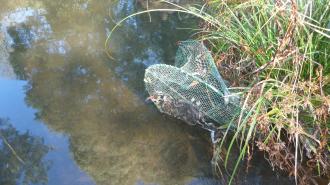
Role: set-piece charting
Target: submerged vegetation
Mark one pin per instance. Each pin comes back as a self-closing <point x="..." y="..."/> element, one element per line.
<point x="275" y="54"/>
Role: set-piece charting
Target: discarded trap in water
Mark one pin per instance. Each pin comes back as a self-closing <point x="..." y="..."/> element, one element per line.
<point x="192" y="90"/>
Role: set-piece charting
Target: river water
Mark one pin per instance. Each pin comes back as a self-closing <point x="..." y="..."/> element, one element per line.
<point x="70" y="115"/>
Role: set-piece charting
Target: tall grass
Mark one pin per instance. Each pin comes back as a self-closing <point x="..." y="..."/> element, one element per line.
<point x="278" y="51"/>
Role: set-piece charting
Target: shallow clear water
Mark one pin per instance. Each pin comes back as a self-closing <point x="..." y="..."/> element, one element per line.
<point x="71" y="115"/>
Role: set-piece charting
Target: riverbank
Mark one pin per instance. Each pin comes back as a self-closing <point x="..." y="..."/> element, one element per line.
<point x="275" y="55"/>
<point x="278" y="53"/>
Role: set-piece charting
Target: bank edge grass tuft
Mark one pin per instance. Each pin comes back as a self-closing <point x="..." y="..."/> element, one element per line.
<point x="282" y="47"/>
<point x="278" y="52"/>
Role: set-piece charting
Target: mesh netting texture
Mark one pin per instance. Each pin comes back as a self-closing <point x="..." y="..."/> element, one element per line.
<point x="192" y="90"/>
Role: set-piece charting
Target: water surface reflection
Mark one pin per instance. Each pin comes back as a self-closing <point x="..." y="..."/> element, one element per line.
<point x="21" y="156"/>
<point x="44" y="153"/>
<point x="97" y="103"/>
<point x="87" y="111"/>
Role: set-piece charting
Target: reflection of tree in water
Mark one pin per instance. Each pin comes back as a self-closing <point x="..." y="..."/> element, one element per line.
<point x="21" y="157"/>
<point x="113" y="135"/>
<point x="84" y="24"/>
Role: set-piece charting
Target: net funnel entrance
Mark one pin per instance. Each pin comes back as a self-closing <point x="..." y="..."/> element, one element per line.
<point x="193" y="89"/>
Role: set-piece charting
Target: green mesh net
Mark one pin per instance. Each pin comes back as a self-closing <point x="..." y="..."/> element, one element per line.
<point x="193" y="89"/>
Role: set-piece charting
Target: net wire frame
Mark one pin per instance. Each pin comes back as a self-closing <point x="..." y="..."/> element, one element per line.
<point x="194" y="80"/>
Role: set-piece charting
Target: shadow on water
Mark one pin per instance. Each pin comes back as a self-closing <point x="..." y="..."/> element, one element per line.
<point x="91" y="109"/>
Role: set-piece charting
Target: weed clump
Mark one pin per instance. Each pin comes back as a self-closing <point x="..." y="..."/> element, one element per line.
<point x="278" y="53"/>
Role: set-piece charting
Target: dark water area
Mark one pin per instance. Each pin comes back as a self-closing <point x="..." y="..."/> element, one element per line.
<point x="70" y="115"/>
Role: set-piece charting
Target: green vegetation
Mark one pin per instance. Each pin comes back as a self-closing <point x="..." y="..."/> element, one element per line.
<point x="277" y="52"/>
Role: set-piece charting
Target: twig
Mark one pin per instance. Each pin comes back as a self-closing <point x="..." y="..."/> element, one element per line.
<point x="12" y="149"/>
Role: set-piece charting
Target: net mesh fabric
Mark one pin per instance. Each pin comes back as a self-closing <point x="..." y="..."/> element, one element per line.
<point x="194" y="80"/>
